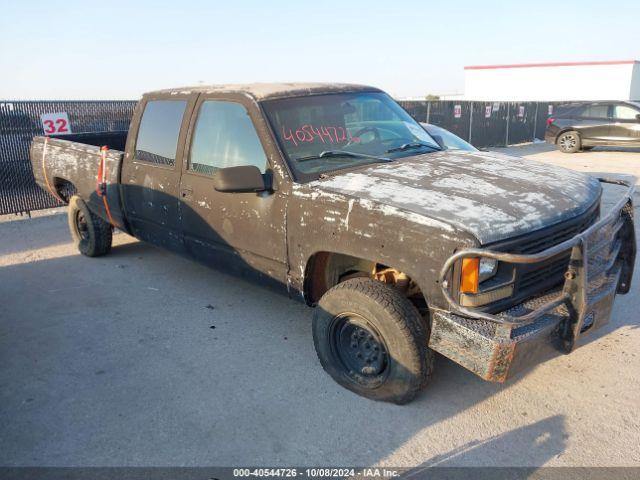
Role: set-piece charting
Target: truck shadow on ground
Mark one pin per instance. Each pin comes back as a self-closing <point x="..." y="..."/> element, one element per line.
<point x="533" y="444"/>
<point x="194" y="366"/>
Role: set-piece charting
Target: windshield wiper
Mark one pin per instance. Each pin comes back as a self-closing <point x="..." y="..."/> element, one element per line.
<point x="340" y="153"/>
<point x="410" y="146"/>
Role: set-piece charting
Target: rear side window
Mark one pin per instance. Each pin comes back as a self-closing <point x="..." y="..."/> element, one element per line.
<point x="159" y="131"/>
<point x="224" y="136"/>
<point x="623" y="112"/>
<point x="596" y="110"/>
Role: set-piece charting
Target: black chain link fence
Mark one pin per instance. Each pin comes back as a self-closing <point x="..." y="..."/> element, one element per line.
<point x="484" y="124"/>
<point x="20" y="121"/>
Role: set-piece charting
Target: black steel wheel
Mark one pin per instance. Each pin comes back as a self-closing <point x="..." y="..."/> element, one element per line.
<point x="372" y="340"/>
<point x="91" y="234"/>
<point x="82" y="226"/>
<point x="359" y="348"/>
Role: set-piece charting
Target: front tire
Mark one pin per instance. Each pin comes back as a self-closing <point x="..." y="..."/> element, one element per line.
<point x="373" y="341"/>
<point x="569" y="142"/>
<point x="91" y="234"/>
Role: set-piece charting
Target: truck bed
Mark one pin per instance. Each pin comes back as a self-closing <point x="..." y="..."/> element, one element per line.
<point x="69" y="164"/>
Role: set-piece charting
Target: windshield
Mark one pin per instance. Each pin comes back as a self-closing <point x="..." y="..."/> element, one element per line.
<point x="322" y="133"/>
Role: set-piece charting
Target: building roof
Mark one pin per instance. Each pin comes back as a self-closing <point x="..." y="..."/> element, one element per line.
<point x="557" y="64"/>
<point x="263" y="91"/>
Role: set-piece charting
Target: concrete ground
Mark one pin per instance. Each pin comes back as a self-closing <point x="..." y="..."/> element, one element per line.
<point x="612" y="161"/>
<point x="145" y="358"/>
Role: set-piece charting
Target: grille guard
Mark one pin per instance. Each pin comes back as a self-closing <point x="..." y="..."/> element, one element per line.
<point x="618" y="221"/>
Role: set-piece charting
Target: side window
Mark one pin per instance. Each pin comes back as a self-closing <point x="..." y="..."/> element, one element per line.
<point x="224" y="136"/>
<point x="596" y="110"/>
<point x="157" y="140"/>
<point x="623" y="112"/>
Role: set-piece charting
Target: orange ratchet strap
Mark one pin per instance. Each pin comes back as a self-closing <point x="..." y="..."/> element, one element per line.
<point x="44" y="171"/>
<point x="101" y="183"/>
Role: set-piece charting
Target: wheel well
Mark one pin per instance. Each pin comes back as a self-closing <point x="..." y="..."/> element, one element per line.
<point x="64" y="188"/>
<point x="326" y="269"/>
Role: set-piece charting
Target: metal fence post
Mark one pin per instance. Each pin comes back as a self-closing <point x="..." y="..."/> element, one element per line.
<point x="428" y="111"/>
<point x="535" y="123"/>
<point x="506" y="139"/>
<point x="470" y="119"/>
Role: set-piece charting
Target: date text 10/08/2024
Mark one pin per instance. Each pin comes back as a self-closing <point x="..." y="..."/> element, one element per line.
<point x="317" y="472"/>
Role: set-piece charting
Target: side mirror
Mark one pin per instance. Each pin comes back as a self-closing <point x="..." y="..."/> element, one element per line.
<point x="245" y="178"/>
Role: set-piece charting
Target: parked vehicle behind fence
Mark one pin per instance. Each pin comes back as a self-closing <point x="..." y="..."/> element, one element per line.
<point x="446" y="139"/>
<point x="334" y="195"/>
<point x="587" y="125"/>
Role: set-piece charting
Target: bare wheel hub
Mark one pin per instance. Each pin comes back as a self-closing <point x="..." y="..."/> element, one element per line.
<point x="359" y="347"/>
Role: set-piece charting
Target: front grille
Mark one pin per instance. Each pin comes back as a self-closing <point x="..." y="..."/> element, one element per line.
<point x="534" y="278"/>
<point x="554" y="272"/>
<point x="531" y="279"/>
<point x="558" y="234"/>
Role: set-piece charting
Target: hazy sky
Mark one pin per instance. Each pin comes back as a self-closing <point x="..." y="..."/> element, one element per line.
<point x="66" y="49"/>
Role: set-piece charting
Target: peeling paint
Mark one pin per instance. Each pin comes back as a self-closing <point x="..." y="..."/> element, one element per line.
<point x="491" y="196"/>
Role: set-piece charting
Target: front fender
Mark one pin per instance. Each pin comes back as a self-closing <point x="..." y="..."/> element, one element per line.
<point x="320" y="221"/>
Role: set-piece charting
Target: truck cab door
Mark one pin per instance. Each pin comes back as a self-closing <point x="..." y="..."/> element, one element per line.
<point x="243" y="232"/>
<point x="153" y="166"/>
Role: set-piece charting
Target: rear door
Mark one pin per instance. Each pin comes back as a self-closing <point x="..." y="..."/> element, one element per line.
<point x="244" y="232"/>
<point x="625" y="129"/>
<point x="153" y="166"/>
<point x="594" y="123"/>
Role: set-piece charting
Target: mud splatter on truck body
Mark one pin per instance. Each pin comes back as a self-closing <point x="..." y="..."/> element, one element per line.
<point x="397" y="221"/>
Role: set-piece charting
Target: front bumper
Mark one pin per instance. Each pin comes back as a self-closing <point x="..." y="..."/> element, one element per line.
<point x="498" y="346"/>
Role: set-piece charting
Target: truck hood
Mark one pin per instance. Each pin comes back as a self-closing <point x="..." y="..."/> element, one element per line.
<point x="490" y="195"/>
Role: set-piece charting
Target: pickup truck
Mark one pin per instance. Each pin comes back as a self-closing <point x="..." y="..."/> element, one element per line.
<point x="335" y="195"/>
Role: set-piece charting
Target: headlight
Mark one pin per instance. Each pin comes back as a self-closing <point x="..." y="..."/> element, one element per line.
<point x="475" y="271"/>
<point x="487" y="268"/>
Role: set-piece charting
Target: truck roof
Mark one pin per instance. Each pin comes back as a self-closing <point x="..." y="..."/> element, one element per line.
<point x="265" y="91"/>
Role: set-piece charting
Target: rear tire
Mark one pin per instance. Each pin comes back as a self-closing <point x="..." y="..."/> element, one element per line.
<point x="373" y="341"/>
<point x="569" y="142"/>
<point x="91" y="234"/>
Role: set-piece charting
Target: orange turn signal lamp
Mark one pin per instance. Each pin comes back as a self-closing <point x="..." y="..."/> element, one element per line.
<point x="470" y="275"/>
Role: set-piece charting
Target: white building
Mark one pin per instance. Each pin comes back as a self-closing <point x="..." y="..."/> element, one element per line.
<point x="609" y="80"/>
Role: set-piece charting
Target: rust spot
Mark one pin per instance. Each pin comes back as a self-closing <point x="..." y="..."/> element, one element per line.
<point x="500" y="362"/>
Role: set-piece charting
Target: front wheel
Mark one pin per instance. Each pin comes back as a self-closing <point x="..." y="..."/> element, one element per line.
<point x="91" y="234"/>
<point x="373" y="341"/>
<point x="569" y="142"/>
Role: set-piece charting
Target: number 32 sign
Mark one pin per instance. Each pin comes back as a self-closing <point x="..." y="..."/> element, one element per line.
<point x="55" y="123"/>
